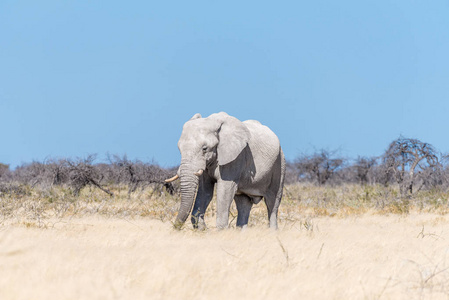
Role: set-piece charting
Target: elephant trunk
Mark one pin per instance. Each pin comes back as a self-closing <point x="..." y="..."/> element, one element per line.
<point x="189" y="186"/>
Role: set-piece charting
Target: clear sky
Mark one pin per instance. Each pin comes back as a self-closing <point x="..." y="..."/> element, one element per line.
<point x="82" y="77"/>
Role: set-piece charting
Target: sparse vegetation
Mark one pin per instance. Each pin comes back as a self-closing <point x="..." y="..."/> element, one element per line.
<point x="346" y="217"/>
<point x="409" y="176"/>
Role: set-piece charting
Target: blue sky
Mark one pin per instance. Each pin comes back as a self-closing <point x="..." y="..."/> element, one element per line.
<point x="81" y="77"/>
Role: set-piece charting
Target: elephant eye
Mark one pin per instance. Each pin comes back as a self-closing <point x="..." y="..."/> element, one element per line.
<point x="204" y="149"/>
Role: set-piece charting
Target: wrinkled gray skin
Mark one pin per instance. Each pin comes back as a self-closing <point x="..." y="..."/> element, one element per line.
<point x="243" y="160"/>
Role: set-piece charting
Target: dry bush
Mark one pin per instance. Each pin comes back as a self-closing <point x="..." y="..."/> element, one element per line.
<point x="359" y="171"/>
<point x="82" y="172"/>
<point x="409" y="160"/>
<point x="4" y="171"/>
<point x="320" y="167"/>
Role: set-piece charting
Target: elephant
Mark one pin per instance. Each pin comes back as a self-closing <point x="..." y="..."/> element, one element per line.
<point x="244" y="160"/>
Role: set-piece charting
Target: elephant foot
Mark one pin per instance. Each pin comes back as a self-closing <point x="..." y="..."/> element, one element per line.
<point x="222" y="227"/>
<point x="201" y="226"/>
<point x="243" y="228"/>
<point x="198" y="223"/>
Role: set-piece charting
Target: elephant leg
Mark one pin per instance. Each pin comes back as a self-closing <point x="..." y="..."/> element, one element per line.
<point x="272" y="202"/>
<point x="225" y="194"/>
<point x="244" y="204"/>
<point x="202" y="201"/>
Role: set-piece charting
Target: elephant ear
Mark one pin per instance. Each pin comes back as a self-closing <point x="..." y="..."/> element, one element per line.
<point x="233" y="137"/>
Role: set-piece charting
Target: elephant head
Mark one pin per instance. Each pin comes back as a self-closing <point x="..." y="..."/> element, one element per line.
<point x="213" y="141"/>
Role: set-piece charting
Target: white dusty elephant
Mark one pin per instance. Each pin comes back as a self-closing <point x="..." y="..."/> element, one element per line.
<point x="243" y="159"/>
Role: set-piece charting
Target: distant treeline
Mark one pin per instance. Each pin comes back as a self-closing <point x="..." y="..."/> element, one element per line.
<point x="409" y="163"/>
<point x="79" y="173"/>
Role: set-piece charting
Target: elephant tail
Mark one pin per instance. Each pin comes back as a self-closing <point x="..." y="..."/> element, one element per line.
<point x="273" y="213"/>
<point x="281" y="183"/>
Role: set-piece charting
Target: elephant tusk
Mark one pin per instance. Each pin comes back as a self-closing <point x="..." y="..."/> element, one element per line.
<point x="199" y="173"/>
<point x="172" y="179"/>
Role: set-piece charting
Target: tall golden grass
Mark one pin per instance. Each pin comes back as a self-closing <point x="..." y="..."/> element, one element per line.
<point x="345" y="242"/>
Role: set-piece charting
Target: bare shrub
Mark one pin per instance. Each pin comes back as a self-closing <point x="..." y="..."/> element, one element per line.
<point x="10" y="188"/>
<point x="4" y="171"/>
<point x="360" y="171"/>
<point x="137" y="174"/>
<point x="33" y="173"/>
<point x="319" y="167"/>
<point x="409" y="160"/>
<point x="82" y="173"/>
<point x="363" y="167"/>
<point x="291" y="173"/>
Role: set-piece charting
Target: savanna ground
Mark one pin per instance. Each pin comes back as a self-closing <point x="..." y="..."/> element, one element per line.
<point x="345" y="242"/>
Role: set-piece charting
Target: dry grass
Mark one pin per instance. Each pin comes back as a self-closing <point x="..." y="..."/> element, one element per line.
<point x="347" y="242"/>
